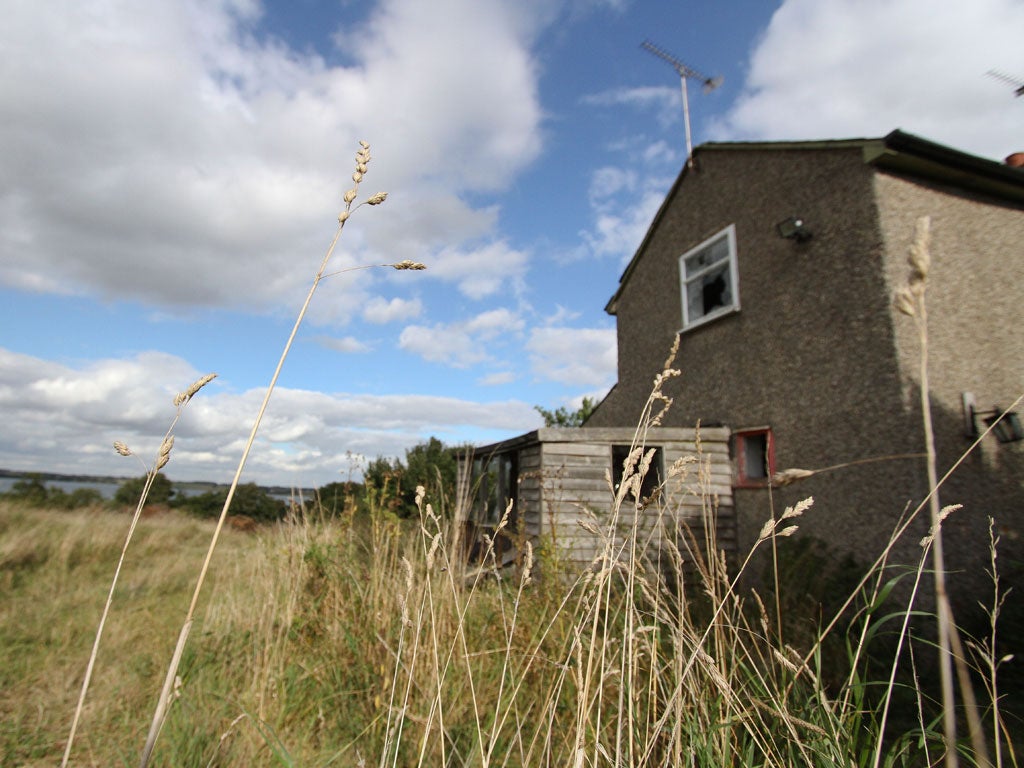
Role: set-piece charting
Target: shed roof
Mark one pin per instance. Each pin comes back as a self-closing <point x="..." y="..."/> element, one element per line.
<point x="597" y="435"/>
<point x="897" y="152"/>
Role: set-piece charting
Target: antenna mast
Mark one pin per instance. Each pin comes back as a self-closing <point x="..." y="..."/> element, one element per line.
<point x="685" y="73"/>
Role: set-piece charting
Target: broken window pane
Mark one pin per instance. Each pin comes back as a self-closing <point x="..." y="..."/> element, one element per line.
<point x="709" y="278"/>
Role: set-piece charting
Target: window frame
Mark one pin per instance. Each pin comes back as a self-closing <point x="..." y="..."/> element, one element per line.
<point x="740" y="438"/>
<point x="729" y="234"/>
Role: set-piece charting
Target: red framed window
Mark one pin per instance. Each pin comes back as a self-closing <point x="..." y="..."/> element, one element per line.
<point x="754" y="450"/>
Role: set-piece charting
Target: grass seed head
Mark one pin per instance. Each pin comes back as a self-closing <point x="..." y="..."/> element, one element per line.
<point x="905" y="302"/>
<point x="920" y="258"/>
<point x="164" y="455"/>
<point x="790" y="476"/>
<point x="183" y="397"/>
<point x="122" y="449"/>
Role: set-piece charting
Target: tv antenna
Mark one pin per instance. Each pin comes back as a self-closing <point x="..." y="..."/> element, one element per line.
<point x="1018" y="85"/>
<point x="685" y="73"/>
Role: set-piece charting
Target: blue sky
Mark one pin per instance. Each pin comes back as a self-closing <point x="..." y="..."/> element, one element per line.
<point x="171" y="172"/>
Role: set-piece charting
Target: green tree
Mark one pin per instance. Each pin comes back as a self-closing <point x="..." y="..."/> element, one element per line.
<point x="31" y="491"/>
<point x="335" y="498"/>
<point x="431" y="464"/>
<point x="434" y="466"/>
<point x="129" y="491"/>
<point x="563" y="417"/>
<point x="382" y="473"/>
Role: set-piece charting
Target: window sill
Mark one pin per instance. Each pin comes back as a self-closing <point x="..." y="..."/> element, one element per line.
<point x="708" y="319"/>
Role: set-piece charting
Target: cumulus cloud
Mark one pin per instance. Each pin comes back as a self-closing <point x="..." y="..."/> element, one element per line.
<point x="578" y="356"/>
<point x="306" y="439"/>
<point x="464" y="343"/>
<point x="170" y="153"/>
<point x="848" y="68"/>
<point x="497" y="378"/>
<point x="623" y="202"/>
<point x="345" y="344"/>
<point x="380" y="310"/>
<point x="483" y="271"/>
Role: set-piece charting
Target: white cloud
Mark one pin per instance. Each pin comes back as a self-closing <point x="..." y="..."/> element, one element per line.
<point x="345" y="344"/>
<point x="489" y="324"/>
<point x="497" y="379"/>
<point x="164" y="152"/>
<point x="665" y="101"/>
<point x="440" y="343"/>
<point x="76" y="413"/>
<point x="463" y="343"/>
<point x="849" y="68"/>
<point x="380" y="310"/>
<point x="583" y="357"/>
<point x="560" y="315"/>
<point x="480" y="272"/>
<point x="623" y="202"/>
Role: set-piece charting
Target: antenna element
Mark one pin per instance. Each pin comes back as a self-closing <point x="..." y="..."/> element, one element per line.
<point x="685" y="73"/>
<point x="1017" y="84"/>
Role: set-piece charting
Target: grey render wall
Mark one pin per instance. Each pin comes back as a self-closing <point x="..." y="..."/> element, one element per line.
<point x="975" y="313"/>
<point x="816" y="351"/>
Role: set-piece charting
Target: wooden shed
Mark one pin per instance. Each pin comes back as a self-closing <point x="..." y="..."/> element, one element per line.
<point x="561" y="484"/>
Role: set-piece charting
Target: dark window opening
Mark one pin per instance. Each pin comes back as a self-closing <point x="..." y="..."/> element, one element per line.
<point x="494" y="481"/>
<point x="651" y="481"/>
<point x="755" y="457"/>
<point x="715" y="292"/>
<point x="494" y="485"/>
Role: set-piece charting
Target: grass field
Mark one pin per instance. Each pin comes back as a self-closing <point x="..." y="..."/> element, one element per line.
<point x="356" y="641"/>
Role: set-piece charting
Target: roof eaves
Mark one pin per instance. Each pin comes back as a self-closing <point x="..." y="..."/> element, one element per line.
<point x="501" y="446"/>
<point x="908" y="154"/>
<point x="898" y="151"/>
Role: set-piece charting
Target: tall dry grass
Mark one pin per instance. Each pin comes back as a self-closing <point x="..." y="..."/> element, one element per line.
<point x="362" y="640"/>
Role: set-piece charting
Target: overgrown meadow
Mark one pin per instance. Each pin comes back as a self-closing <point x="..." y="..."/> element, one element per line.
<point x="347" y="634"/>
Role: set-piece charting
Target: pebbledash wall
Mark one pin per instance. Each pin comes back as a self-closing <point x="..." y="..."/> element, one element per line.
<point x="816" y="351"/>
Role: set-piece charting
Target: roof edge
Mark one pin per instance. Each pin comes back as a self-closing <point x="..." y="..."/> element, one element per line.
<point x="897" y="151"/>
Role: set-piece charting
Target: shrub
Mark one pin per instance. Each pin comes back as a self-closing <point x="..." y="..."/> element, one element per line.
<point x="249" y="500"/>
<point x="129" y="492"/>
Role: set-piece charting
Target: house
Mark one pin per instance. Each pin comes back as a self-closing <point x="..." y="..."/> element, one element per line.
<point x="774" y="265"/>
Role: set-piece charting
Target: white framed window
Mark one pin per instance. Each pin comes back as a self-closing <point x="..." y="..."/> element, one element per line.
<point x="710" y="279"/>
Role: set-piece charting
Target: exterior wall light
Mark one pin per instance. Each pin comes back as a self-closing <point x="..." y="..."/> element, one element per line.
<point x="794" y="228"/>
<point x="1006" y="425"/>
